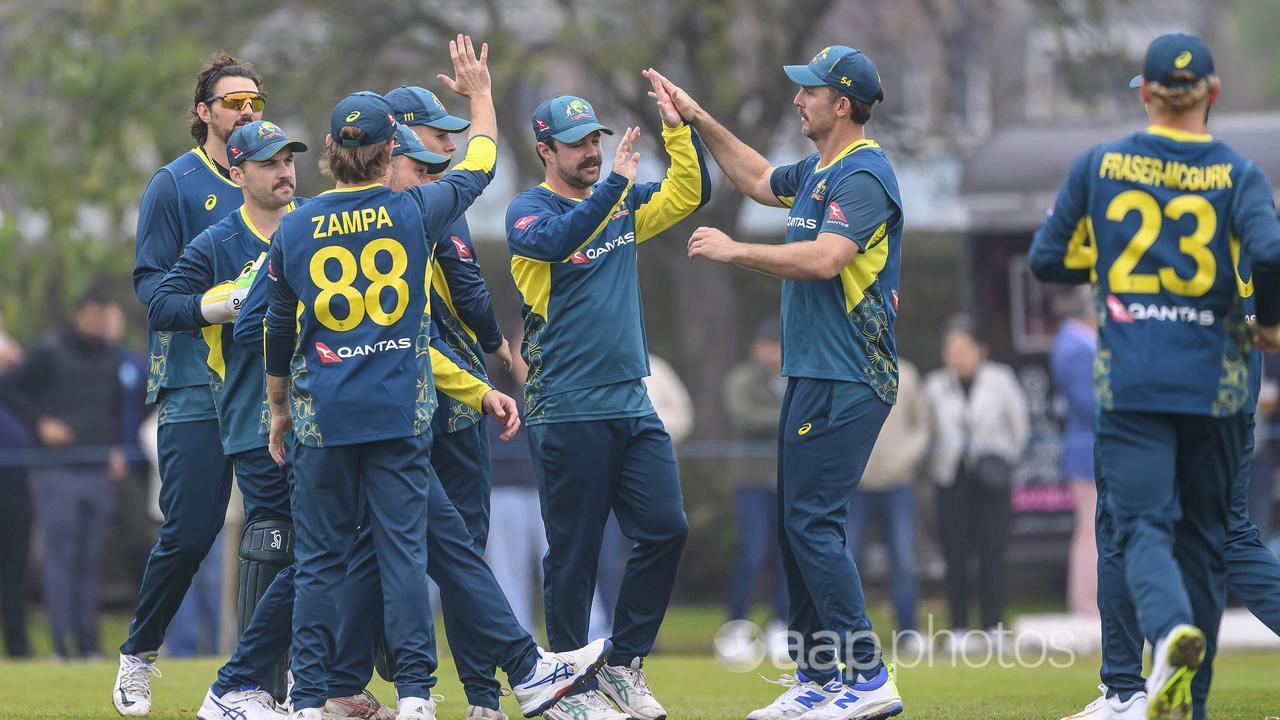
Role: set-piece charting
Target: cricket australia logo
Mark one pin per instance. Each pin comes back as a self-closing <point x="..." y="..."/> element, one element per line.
<point x="820" y="190"/>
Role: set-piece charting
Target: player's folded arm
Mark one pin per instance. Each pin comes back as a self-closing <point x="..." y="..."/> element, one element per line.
<point x="159" y="238"/>
<point x="686" y="187"/>
<point x="175" y="302"/>
<point x="538" y="231"/>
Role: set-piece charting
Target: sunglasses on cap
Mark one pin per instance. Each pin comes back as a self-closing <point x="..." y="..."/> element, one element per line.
<point x="237" y="100"/>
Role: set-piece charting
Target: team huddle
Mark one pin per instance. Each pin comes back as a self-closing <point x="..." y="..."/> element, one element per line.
<point x="331" y="350"/>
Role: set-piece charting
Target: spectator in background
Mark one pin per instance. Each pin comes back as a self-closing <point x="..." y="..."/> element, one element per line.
<point x="67" y="390"/>
<point x="15" y="531"/>
<point x="1071" y="363"/>
<point x="981" y="427"/>
<point x="517" y="539"/>
<point x="886" y="491"/>
<point x="753" y="401"/>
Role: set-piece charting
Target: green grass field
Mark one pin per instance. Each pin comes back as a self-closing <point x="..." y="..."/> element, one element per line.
<point x="689" y="682"/>
<point x="691" y="688"/>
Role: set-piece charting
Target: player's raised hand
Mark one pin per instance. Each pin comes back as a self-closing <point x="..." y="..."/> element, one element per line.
<point x="681" y="100"/>
<point x="666" y="107"/>
<point x="625" y="158"/>
<point x="471" y="71"/>
<point x="504" y="409"/>
<point x="712" y="244"/>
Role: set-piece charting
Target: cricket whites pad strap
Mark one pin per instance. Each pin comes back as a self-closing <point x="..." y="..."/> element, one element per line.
<point x="266" y="548"/>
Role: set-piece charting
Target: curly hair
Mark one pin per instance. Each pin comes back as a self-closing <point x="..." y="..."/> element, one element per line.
<point x="1179" y="99"/>
<point x="218" y="66"/>
<point x="367" y="163"/>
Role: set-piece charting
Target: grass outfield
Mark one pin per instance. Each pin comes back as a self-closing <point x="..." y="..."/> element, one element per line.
<point x="691" y="687"/>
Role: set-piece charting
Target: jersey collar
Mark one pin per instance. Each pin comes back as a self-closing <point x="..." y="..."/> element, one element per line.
<point x="358" y="188"/>
<point x="244" y="217"/>
<point x="853" y="147"/>
<point x="212" y="166"/>
<point x="551" y="190"/>
<point x="1179" y="135"/>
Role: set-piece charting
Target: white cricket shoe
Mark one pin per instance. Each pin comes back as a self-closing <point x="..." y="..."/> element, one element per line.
<point x="251" y="704"/>
<point x="801" y="696"/>
<point x="132" y="694"/>
<point x="558" y="674"/>
<point x="1175" y="661"/>
<point x="625" y="685"/>
<point x="584" y="706"/>
<point x="364" y="705"/>
<point x="872" y="699"/>
<point x="475" y="712"/>
<point x="1110" y="708"/>
<point x="416" y="708"/>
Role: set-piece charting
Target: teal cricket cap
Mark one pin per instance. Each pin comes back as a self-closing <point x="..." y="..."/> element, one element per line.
<point x="566" y="118"/>
<point x="1175" y="59"/>
<point x="366" y="110"/>
<point x="415" y="105"/>
<point x="408" y="143"/>
<point x="846" y="69"/>
<point x="258" y="141"/>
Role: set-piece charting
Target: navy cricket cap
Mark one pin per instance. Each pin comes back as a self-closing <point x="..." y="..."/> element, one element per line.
<point x="1171" y="55"/>
<point x="408" y="143"/>
<point x="414" y="105"/>
<point x="844" y="68"/>
<point x="566" y="118"/>
<point x="259" y="140"/>
<point x="366" y="110"/>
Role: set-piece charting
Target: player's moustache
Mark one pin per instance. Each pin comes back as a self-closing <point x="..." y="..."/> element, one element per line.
<point x="586" y="164"/>
<point x="283" y="183"/>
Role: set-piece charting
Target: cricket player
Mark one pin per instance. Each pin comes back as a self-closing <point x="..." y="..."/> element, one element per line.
<point x="462" y="313"/>
<point x="224" y="259"/>
<point x="476" y="610"/>
<point x="596" y="441"/>
<point x="184" y="197"/>
<point x="839" y="265"/>
<point x="1157" y="220"/>
<point x="1252" y="570"/>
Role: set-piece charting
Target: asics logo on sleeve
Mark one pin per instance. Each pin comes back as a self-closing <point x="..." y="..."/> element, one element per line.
<point x="804" y="429"/>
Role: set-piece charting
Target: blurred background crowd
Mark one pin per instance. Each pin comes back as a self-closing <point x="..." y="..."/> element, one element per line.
<point x="979" y="497"/>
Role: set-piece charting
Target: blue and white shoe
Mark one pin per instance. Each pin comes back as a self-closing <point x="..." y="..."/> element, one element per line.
<point x="245" y="704"/>
<point x="558" y="674"/>
<point x="872" y="699"/>
<point x="1174" y="663"/>
<point x="801" y="696"/>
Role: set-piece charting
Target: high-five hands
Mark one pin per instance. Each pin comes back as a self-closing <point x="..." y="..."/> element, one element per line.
<point x="666" y="107"/>
<point x="625" y="159"/>
<point x="471" y="71"/>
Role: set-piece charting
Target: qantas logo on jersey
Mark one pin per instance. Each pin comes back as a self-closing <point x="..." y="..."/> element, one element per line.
<point x="326" y="355"/>
<point x="835" y="214"/>
<point x="802" y="222"/>
<point x="524" y="222"/>
<point x="1117" y="311"/>
<point x="579" y="258"/>
<point x="614" y="244"/>
<point x="346" y="352"/>
<point x="894" y="295"/>
<point x="464" y="252"/>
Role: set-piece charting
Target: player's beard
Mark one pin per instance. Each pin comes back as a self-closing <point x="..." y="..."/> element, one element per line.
<point x="224" y="133"/>
<point x="581" y="177"/>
